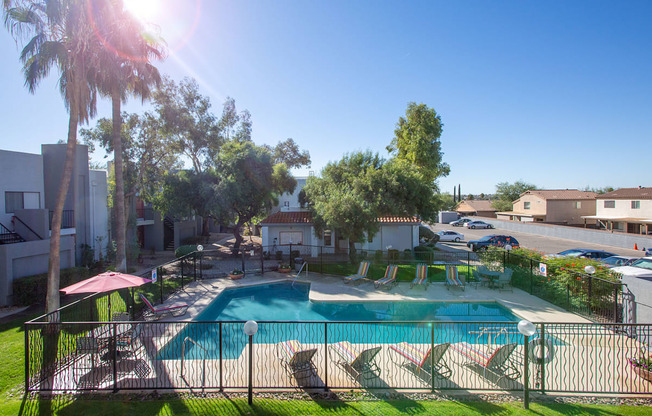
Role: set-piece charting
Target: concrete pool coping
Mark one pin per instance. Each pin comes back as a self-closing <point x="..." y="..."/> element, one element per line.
<point x="329" y="288"/>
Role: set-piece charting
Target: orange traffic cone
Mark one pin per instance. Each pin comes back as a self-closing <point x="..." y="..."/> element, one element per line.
<point x="635" y="246"/>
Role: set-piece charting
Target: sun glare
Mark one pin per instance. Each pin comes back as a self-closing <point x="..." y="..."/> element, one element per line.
<point x="144" y="10"/>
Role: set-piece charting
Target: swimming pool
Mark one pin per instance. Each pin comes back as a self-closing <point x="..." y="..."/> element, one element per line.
<point x="327" y="322"/>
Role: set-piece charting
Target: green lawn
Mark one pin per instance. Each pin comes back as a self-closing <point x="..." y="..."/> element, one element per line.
<point x="125" y="405"/>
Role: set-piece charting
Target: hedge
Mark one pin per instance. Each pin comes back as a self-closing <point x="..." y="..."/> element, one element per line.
<point x="33" y="289"/>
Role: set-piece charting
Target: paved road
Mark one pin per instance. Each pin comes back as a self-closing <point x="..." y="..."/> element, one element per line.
<point x="542" y="243"/>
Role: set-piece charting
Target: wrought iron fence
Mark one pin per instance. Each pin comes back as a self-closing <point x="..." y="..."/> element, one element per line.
<point x="429" y="356"/>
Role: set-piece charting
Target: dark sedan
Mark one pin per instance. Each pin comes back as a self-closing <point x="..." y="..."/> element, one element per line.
<point x="492" y="240"/>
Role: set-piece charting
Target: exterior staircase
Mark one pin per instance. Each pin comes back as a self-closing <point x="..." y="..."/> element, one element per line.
<point x="168" y="233"/>
<point x="9" y="237"/>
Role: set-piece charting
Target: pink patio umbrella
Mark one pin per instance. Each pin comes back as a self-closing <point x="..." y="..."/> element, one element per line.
<point x="105" y="282"/>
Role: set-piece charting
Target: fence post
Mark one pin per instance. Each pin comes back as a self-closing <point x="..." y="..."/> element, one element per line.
<point x="26" y="357"/>
<point x="531" y="274"/>
<point x="221" y="379"/>
<point x="183" y="260"/>
<point x="321" y="259"/>
<point x="194" y="266"/>
<point x="161" y="280"/>
<point x="432" y="358"/>
<point x="325" y="356"/>
<point x="201" y="270"/>
<point x="262" y="261"/>
<point x="526" y="373"/>
<point x="543" y="365"/>
<point x="113" y="346"/>
<point x="615" y="303"/>
<point x="291" y="262"/>
<point x="242" y="259"/>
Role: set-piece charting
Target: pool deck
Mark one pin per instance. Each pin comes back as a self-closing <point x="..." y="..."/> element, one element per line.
<point x="328" y="288"/>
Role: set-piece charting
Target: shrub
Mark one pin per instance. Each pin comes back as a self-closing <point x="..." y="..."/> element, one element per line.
<point x="426" y="234"/>
<point x="184" y="250"/>
<point x="33" y="289"/>
<point x="423" y="253"/>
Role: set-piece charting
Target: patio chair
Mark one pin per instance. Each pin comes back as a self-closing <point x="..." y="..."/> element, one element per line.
<point x="152" y="313"/>
<point x="360" y="363"/>
<point x="421" y="278"/>
<point x="86" y="348"/>
<point x="361" y="274"/>
<point x="296" y="359"/>
<point x="389" y="279"/>
<point x="454" y="279"/>
<point x="479" y="278"/>
<point x="505" y="280"/>
<point x="130" y="343"/>
<point x="499" y="362"/>
<point x="422" y="363"/>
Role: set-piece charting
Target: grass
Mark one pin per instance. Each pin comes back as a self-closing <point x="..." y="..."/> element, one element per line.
<point x="122" y="405"/>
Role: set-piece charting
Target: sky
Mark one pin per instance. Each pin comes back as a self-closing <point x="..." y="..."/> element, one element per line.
<point x="554" y="93"/>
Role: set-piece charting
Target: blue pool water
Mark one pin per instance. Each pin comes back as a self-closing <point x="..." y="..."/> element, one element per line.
<point x="327" y="322"/>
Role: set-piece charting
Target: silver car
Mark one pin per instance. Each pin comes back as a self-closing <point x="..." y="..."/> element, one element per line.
<point x="459" y="223"/>
<point x="449" y="235"/>
<point x="478" y="224"/>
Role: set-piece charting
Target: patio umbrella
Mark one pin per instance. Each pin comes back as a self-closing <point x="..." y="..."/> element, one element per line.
<point x="105" y="282"/>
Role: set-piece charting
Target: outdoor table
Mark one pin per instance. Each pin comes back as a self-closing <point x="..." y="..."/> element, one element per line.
<point x="489" y="274"/>
<point x="106" y="332"/>
<point x="445" y="263"/>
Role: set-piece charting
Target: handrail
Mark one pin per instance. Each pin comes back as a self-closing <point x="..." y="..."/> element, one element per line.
<point x="492" y="331"/>
<point x="29" y="228"/>
<point x="183" y="357"/>
<point x="305" y="264"/>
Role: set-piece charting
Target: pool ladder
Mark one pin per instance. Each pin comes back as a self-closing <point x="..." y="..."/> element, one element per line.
<point x="304" y="265"/>
<point x="183" y="357"/>
<point x="489" y="331"/>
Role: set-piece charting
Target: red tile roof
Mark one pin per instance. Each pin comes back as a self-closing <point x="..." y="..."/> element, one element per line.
<point x="301" y="217"/>
<point x="628" y="193"/>
<point x="304" y="217"/>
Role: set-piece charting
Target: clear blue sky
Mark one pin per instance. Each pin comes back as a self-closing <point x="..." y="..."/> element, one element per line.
<point x="556" y="93"/>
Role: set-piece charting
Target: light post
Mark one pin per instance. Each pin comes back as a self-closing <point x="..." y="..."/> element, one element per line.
<point x="527" y="329"/>
<point x="508" y="248"/>
<point x="250" y="328"/>
<point x="590" y="270"/>
<point x="200" y="248"/>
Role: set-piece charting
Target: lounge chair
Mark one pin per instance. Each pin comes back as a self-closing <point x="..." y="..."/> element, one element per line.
<point x="421" y="362"/>
<point x="505" y="280"/>
<point x="152" y="313"/>
<point x="361" y="274"/>
<point x="296" y="359"/>
<point x="360" y="363"/>
<point x="454" y="279"/>
<point x="389" y="279"/>
<point x="499" y="362"/>
<point x="421" y="278"/>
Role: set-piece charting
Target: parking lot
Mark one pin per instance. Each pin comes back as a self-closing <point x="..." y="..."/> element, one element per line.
<point x="542" y="243"/>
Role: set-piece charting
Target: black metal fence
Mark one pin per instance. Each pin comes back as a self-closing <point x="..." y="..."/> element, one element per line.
<point x="561" y="357"/>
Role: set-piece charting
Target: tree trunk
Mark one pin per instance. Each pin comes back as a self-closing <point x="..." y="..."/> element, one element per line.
<point x="54" y="264"/>
<point x="120" y="228"/>
<point x="237" y="235"/>
<point x="204" y="226"/>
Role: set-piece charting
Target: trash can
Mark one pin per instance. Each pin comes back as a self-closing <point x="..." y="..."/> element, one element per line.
<point x="298" y="262"/>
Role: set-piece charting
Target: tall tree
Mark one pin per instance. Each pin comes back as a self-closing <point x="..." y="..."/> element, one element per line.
<point x="416" y="141"/>
<point x="350" y="195"/>
<point x="248" y="183"/>
<point x="507" y="193"/>
<point x="186" y="117"/>
<point x="61" y="38"/>
<point x="126" y="71"/>
<point x="289" y="153"/>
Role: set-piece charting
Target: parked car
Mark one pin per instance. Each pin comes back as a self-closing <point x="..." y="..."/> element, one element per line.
<point x="583" y="253"/>
<point x="492" y="240"/>
<point x="460" y="222"/>
<point x="641" y="268"/>
<point x="449" y="235"/>
<point x="477" y="224"/>
<point x="616" y="261"/>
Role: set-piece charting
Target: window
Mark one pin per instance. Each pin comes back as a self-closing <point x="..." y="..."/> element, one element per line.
<point x="328" y="238"/>
<point x="578" y="204"/>
<point x="610" y="204"/>
<point x="636" y="204"/>
<point x="21" y="200"/>
<point x="290" y="237"/>
<point x="286" y="203"/>
<point x="526" y="205"/>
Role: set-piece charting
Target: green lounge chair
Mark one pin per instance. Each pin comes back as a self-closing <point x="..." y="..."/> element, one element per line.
<point x="362" y="273"/>
<point x="389" y="279"/>
<point x="422" y="363"/>
<point x="453" y="278"/>
<point x="498" y="362"/>
<point x="421" y="278"/>
<point x="296" y="359"/>
<point x="360" y="363"/>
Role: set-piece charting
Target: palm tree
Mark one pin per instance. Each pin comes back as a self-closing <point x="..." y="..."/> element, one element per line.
<point x="59" y="37"/>
<point x="126" y="70"/>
